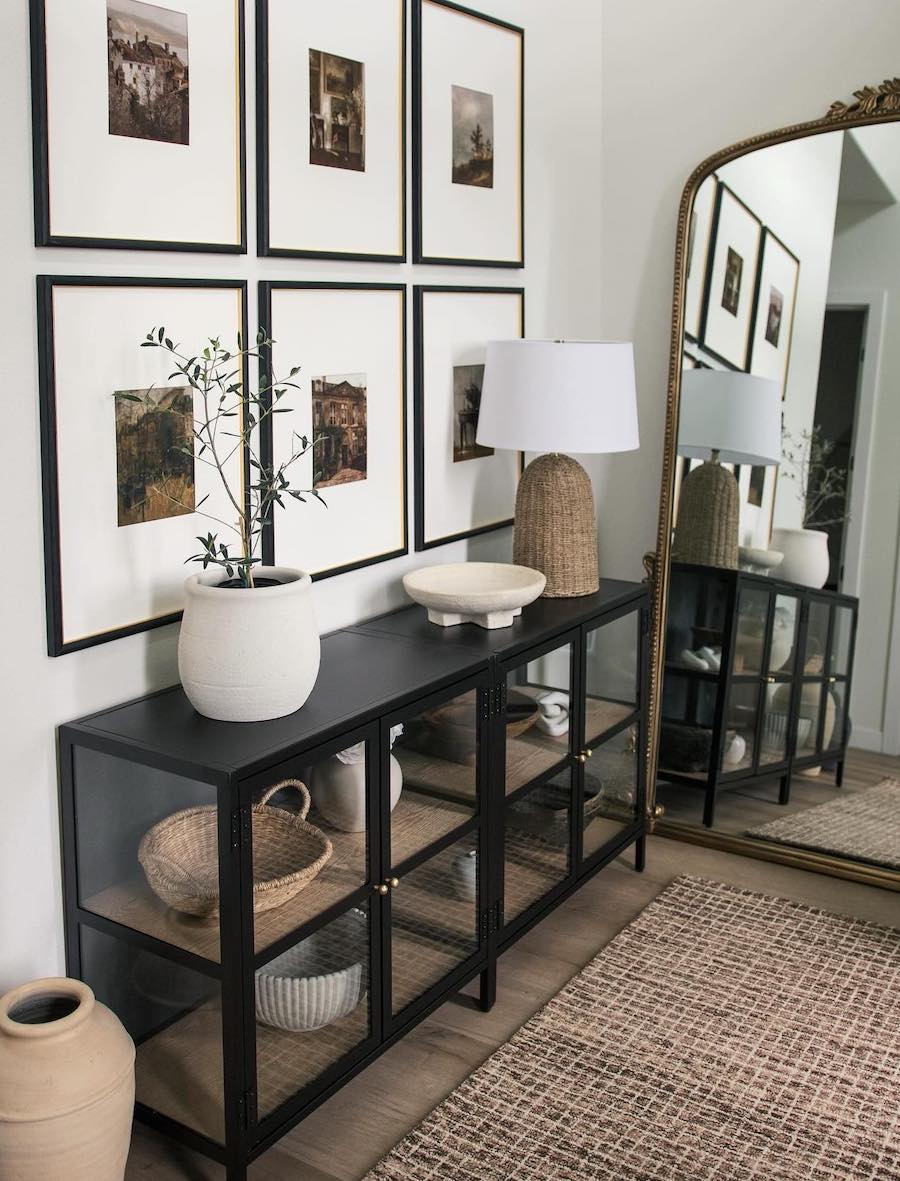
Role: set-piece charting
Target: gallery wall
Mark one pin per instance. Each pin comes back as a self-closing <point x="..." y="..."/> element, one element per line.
<point x="562" y="263"/>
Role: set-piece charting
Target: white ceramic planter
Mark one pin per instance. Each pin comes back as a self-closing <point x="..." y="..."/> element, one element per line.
<point x="66" y="1085"/>
<point x="338" y="790"/>
<point x="805" y="555"/>
<point x="249" y="655"/>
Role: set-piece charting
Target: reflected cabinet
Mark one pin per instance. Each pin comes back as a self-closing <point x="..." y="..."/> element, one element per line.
<point x="268" y="906"/>
<point x="757" y="681"/>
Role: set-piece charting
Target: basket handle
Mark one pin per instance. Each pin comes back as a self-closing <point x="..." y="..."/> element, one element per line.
<point x="296" y="783"/>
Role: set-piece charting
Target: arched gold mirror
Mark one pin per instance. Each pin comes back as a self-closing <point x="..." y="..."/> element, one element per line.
<point x="776" y="642"/>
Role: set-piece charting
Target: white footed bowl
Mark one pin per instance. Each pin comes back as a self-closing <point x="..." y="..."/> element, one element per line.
<point x="490" y="594"/>
<point x="316" y="982"/>
<point x="762" y="560"/>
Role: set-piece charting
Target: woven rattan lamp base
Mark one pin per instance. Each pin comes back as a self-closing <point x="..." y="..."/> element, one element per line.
<point x="555" y="528"/>
<point x="708" y="515"/>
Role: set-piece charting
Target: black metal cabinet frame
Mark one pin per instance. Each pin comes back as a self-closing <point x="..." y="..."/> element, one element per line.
<point x="420" y="669"/>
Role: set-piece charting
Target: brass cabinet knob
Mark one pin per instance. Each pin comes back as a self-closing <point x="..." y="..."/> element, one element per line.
<point x="584" y="755"/>
<point x="658" y="812"/>
<point x="393" y="883"/>
<point x="770" y="680"/>
<point x="382" y="889"/>
<point x="832" y="680"/>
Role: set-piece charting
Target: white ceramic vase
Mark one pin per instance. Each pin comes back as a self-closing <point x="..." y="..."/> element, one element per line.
<point x="806" y="559"/>
<point x="338" y="790"/>
<point x="66" y="1085"/>
<point x="249" y="655"/>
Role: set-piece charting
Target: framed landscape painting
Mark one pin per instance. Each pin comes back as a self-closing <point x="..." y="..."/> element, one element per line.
<point x="468" y="137"/>
<point x="462" y="488"/>
<point x="123" y="488"/>
<point x="773" y="327"/>
<point x="331" y="99"/>
<point x="147" y="101"/>
<point x="350" y="401"/>
<point x="731" y="287"/>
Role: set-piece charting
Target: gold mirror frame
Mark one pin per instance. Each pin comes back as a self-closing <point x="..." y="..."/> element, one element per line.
<point x="872" y="104"/>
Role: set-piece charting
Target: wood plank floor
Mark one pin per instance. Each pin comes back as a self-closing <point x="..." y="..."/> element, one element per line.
<point x="740" y="808"/>
<point x="350" y="1132"/>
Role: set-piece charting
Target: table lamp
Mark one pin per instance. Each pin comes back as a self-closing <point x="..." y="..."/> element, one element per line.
<point x="726" y="417"/>
<point x="558" y="396"/>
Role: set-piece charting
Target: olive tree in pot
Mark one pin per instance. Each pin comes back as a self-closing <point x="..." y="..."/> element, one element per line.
<point x="822" y="491"/>
<point x="249" y="645"/>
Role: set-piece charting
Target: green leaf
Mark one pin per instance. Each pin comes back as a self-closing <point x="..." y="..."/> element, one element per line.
<point x="161" y="334"/>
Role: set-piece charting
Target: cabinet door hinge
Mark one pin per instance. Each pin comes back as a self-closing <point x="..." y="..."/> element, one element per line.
<point x="247" y="1108"/>
<point x="500" y="698"/>
<point x="235" y="830"/>
<point x="491" y="920"/>
<point x="487" y="703"/>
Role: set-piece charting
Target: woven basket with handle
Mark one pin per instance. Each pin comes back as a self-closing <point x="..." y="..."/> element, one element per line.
<point x="180" y="855"/>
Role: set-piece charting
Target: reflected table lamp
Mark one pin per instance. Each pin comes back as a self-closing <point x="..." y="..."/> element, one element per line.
<point x="558" y="396"/>
<point x="726" y="417"/>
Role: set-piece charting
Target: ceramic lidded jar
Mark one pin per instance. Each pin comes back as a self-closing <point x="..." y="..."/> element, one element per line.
<point x="66" y="1085"/>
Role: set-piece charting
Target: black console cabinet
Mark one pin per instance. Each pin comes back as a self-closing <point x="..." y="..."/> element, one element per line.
<point x="757" y="680"/>
<point x="519" y="752"/>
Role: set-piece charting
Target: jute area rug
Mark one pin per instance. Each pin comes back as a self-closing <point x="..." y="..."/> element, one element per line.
<point x="863" y="825"/>
<point x="722" y="1036"/>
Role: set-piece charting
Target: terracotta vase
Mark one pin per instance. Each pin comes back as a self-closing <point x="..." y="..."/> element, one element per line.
<point x="66" y="1085"/>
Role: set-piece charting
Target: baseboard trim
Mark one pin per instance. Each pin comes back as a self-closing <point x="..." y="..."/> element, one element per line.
<point x="864" y="738"/>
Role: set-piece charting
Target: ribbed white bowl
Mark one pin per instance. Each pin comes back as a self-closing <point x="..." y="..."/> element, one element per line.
<point x="318" y="981"/>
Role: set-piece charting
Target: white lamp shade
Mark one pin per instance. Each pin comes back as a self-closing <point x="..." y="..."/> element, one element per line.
<point x="548" y="395"/>
<point x="736" y="414"/>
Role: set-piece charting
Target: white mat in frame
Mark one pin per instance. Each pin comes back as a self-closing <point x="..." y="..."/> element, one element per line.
<point x="350" y="341"/>
<point x="148" y="126"/>
<point x="332" y="184"/>
<point x="111" y="571"/>
<point x="468" y="74"/>
<point x="459" y="494"/>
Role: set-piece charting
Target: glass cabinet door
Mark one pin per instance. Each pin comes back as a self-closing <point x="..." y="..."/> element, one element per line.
<point x="610" y="799"/>
<point x="778" y="688"/>
<point x="432" y="841"/>
<point x="839" y="655"/>
<point x="741" y="737"/>
<point x="750" y="634"/>
<point x="538" y="736"/>
<point x="311" y="826"/>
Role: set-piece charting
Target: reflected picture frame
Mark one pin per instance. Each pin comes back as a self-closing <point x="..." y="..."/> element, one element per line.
<point x="729" y="300"/>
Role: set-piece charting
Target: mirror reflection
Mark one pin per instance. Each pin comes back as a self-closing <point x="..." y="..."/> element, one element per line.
<point x="781" y="687"/>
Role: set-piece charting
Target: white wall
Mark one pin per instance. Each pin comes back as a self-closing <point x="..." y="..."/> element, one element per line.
<point x="867" y="256"/>
<point x="562" y="227"/>
<point x="680" y="80"/>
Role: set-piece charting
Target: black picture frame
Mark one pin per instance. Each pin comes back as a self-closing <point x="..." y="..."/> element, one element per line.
<point x="767" y="236"/>
<point x="266" y="288"/>
<point x="43" y="233"/>
<point x="721" y="189"/>
<point x="57" y="645"/>
<point x="419" y="293"/>
<point x="419" y="255"/>
<point x="264" y="248"/>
